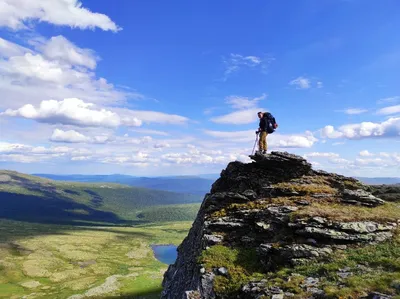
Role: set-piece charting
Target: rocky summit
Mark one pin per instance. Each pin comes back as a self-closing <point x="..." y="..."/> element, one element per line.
<point x="276" y="228"/>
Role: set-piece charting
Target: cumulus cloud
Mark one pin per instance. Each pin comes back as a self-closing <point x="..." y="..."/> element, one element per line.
<point x="365" y="153"/>
<point x="70" y="136"/>
<point x="60" y="48"/>
<point x="18" y="14"/>
<point x="57" y="69"/>
<point x="389" y="110"/>
<point x="8" y="49"/>
<point x="67" y="112"/>
<point x="274" y="140"/>
<point x="15" y="152"/>
<point x="301" y="83"/>
<point x="389" y="128"/>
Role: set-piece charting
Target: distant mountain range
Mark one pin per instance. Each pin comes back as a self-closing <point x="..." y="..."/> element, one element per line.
<point x="31" y="198"/>
<point x="199" y="185"/>
<point x="379" y="181"/>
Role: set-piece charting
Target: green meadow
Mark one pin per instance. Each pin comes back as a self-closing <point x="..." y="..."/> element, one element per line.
<point x="61" y="261"/>
<point x="68" y="240"/>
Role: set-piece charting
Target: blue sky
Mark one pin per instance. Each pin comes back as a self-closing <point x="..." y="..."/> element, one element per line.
<point x="158" y="88"/>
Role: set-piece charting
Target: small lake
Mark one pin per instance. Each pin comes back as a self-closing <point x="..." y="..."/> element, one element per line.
<point x="166" y="254"/>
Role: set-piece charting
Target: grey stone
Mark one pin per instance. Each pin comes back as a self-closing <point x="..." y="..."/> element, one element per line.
<point x="222" y="271"/>
<point x="310" y="282"/>
<point x="361" y="197"/>
<point x="213" y="239"/>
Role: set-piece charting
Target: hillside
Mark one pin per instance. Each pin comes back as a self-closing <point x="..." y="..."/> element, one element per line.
<point x="276" y="228"/>
<point x="30" y="198"/>
<point x="181" y="184"/>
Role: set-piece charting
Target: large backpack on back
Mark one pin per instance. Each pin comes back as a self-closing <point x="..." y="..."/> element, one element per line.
<point x="270" y="122"/>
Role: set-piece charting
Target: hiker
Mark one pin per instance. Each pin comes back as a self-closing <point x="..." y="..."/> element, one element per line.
<point x="267" y="126"/>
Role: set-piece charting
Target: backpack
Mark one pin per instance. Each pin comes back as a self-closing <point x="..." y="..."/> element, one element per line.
<point x="270" y="122"/>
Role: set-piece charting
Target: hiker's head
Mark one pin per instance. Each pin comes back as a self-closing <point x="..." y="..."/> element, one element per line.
<point x="260" y="114"/>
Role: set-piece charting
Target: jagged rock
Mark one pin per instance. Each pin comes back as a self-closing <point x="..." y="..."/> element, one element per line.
<point x="361" y="197"/>
<point x="358" y="231"/>
<point x="213" y="239"/>
<point x="263" y="205"/>
<point x="271" y="256"/>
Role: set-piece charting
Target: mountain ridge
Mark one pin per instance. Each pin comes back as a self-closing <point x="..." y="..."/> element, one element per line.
<point x="276" y="228"/>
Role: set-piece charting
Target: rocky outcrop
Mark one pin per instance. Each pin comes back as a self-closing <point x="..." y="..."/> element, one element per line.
<point x="290" y="216"/>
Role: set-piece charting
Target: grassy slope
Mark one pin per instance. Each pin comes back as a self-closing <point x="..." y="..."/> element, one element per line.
<point x="25" y="197"/>
<point x="58" y="261"/>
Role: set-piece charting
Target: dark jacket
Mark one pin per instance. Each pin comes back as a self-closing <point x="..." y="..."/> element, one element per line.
<point x="263" y="124"/>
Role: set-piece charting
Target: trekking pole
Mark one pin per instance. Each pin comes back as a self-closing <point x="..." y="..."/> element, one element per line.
<point x="254" y="144"/>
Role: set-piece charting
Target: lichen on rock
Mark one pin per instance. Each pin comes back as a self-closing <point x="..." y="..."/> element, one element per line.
<point x="276" y="228"/>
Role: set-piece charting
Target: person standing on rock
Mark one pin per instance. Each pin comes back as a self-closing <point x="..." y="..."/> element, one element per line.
<point x="267" y="126"/>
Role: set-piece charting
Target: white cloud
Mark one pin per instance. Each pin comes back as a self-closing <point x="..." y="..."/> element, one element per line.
<point x="59" y="70"/>
<point x="389" y="100"/>
<point x="14" y="152"/>
<point x="128" y="117"/>
<point x="320" y="84"/>
<point x="70" y="136"/>
<point x="17" y="14"/>
<point x="389" y="110"/>
<point x="365" y="153"/>
<point x="68" y="112"/>
<point x="323" y="155"/>
<point x="371" y="161"/>
<point x="149" y="132"/>
<point x="243" y="103"/>
<point x="388" y="128"/>
<point x="352" y="111"/>
<point x="238" y="117"/>
<point x="235" y="62"/>
<point x="301" y="83"/>
<point x="274" y="140"/>
<point x="59" y="48"/>
<point x="162" y="145"/>
<point x="8" y="49"/>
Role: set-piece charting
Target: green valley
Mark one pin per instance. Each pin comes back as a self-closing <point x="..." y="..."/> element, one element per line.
<point x="59" y="261"/>
<point x="29" y="198"/>
<point x="74" y="240"/>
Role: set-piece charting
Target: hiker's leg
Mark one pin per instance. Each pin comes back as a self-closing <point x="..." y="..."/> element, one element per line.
<point x="262" y="140"/>
<point x="260" y="145"/>
<point x="265" y="143"/>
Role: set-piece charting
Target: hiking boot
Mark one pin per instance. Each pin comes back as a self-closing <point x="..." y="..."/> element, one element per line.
<point x="264" y="152"/>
